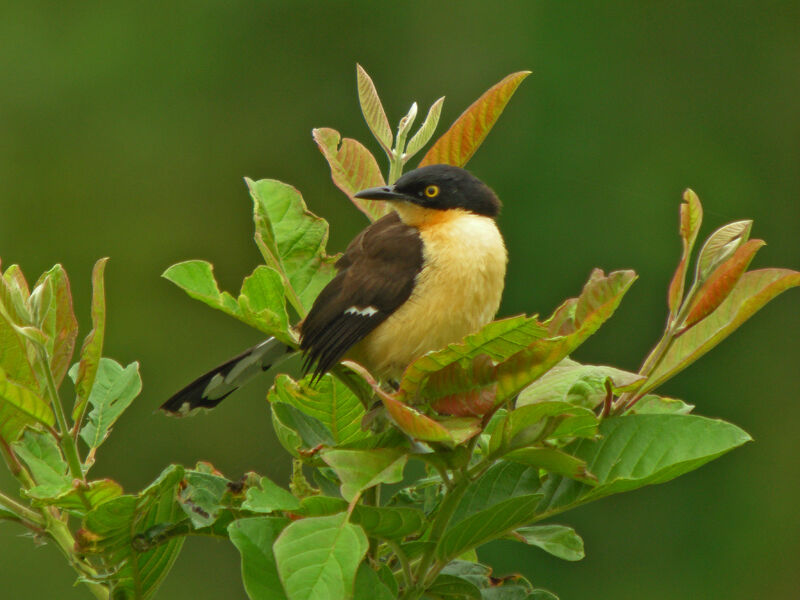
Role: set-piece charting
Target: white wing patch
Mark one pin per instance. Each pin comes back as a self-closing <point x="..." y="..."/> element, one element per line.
<point x="361" y="312"/>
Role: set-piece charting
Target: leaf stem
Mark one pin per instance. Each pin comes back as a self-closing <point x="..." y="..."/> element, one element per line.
<point x="403" y="559"/>
<point x="22" y="511"/>
<point x="68" y="443"/>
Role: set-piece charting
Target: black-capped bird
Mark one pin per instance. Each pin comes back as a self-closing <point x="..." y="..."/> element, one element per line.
<point x="424" y="276"/>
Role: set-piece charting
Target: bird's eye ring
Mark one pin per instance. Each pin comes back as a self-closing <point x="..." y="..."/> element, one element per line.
<point x="432" y="191"/>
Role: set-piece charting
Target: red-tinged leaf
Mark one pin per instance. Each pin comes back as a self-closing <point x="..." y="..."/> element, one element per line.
<point x="353" y="168"/>
<point x="467" y="133"/>
<point x="414" y="423"/>
<point x="576" y="320"/>
<point x="461" y="429"/>
<point x="497" y="340"/>
<point x="720" y="283"/>
<point x="16" y="279"/>
<point x="372" y="109"/>
<point x="719" y="246"/>
<point x="691" y="218"/>
<point x="92" y="348"/>
<point x="751" y="292"/>
<point x="474" y="403"/>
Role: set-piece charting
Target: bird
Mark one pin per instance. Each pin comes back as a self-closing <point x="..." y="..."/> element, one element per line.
<point x="423" y="276"/>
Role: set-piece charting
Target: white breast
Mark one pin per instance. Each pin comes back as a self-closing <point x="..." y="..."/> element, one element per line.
<point x="457" y="292"/>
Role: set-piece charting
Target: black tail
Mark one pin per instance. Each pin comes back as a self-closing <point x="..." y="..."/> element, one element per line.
<point x="210" y="389"/>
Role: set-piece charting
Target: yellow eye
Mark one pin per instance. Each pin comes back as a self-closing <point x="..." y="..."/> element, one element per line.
<point x="432" y="191"/>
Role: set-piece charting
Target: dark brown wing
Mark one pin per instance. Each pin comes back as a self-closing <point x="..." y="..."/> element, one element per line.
<point x="376" y="276"/>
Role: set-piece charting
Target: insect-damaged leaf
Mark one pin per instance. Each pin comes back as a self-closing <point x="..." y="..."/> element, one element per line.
<point x="467" y="133"/>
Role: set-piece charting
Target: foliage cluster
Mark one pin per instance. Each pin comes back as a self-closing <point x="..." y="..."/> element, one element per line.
<point x="393" y="489"/>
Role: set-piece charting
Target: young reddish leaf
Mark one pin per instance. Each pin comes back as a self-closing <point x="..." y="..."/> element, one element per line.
<point x="720" y="283"/>
<point x="353" y="168"/>
<point x="92" y="348"/>
<point x="65" y="325"/>
<point x="461" y="429"/>
<point x="15" y="278"/>
<point x="691" y="218"/>
<point x="719" y="246"/>
<point x="751" y="292"/>
<point x="414" y="423"/>
<point x="467" y="133"/>
<point x="372" y="109"/>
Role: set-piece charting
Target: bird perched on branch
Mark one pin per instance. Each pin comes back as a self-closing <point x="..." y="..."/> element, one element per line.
<point x="423" y="276"/>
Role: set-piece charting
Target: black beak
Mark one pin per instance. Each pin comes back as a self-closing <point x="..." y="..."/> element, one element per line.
<point x="384" y="192"/>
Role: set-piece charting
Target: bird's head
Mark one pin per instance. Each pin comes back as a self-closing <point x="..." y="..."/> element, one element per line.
<point x="439" y="187"/>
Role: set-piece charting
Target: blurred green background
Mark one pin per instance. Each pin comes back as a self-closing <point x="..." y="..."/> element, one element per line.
<point x="126" y="129"/>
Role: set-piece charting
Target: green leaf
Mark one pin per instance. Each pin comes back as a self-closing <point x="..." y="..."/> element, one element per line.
<point x="372" y="109"/>
<point x="113" y="391"/>
<point x="359" y="470"/>
<point x="40" y="452"/>
<point x="254" y="538"/>
<point x="381" y="522"/>
<point x="20" y="406"/>
<point x="426" y="130"/>
<point x="92" y="348"/>
<point x="532" y="423"/>
<point x="467" y="133"/>
<point x="584" y="385"/>
<point x="487" y="525"/>
<point x="753" y="290"/>
<point x="269" y="497"/>
<point x="639" y="450"/>
<point x="51" y="303"/>
<point x="327" y="400"/>
<point x="318" y="557"/>
<point x="691" y="218"/>
<point x="260" y="303"/>
<point x="558" y="540"/>
<point x="75" y="499"/>
<point x="474" y="572"/>
<point x="652" y="404"/>
<point x="296" y="431"/>
<point x="353" y="168"/>
<point x="369" y="585"/>
<point x="292" y="240"/>
<point x="554" y="461"/>
<point x="502" y="481"/>
<point x="451" y="586"/>
<point x="118" y="527"/>
<point x="14" y="357"/>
